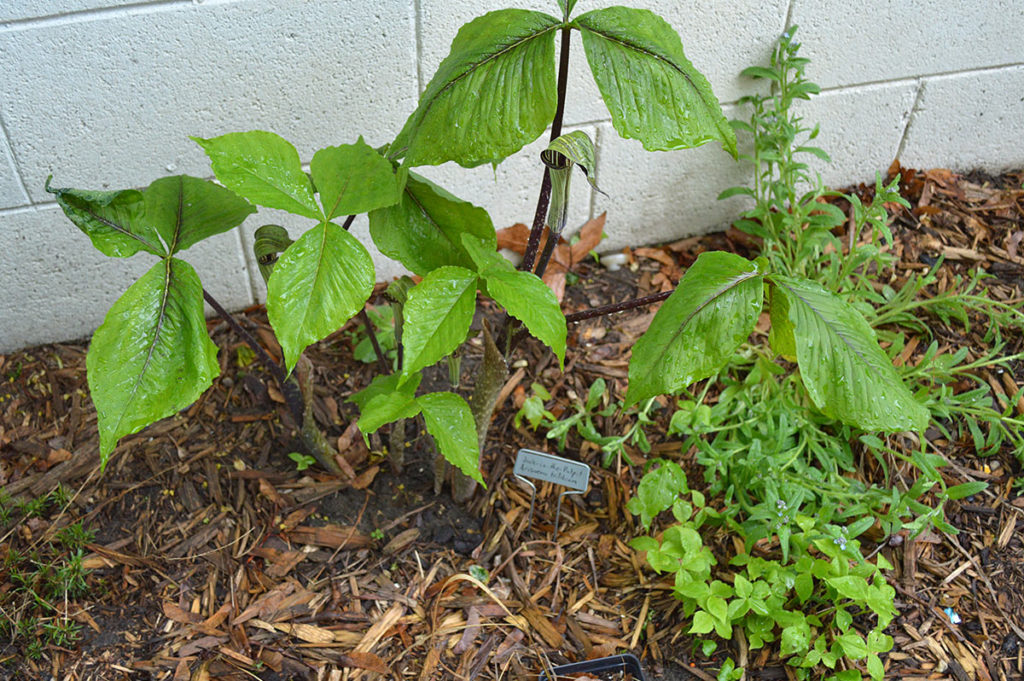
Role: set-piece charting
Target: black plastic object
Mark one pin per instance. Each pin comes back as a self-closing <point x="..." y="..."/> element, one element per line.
<point x="628" y="663"/>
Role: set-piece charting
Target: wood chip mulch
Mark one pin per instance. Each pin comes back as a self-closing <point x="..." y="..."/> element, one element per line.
<point x="214" y="558"/>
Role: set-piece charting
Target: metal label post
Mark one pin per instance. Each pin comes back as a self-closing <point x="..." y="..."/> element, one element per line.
<point x="554" y="469"/>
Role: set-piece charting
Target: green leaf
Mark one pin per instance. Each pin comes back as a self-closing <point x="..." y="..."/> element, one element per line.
<point x="354" y="178"/>
<point x="644" y="544"/>
<point x="760" y="72"/>
<point x="859" y="527"/>
<point x="796" y="639"/>
<point x="264" y="168"/>
<point x="853" y="645"/>
<point x="185" y="210"/>
<point x="718" y="608"/>
<point x="713" y="310"/>
<point x="522" y="294"/>
<point x="845" y="372"/>
<point x="843" y="619"/>
<point x="967" y="489"/>
<point x="529" y="300"/>
<point x="728" y="671"/>
<point x="879" y="642"/>
<point x="687" y="540"/>
<point x="384" y="385"/>
<point x="152" y="356"/>
<point x="113" y="221"/>
<point x="736" y="191"/>
<point x="816" y="151"/>
<point x="652" y="91"/>
<point x="450" y="422"/>
<point x="318" y="283"/>
<point x="781" y="336"/>
<point x="424" y="230"/>
<point x="437" y="316"/>
<point x="803" y="584"/>
<point x="875" y="667"/>
<point x="493" y="94"/>
<point x="380" y="410"/>
<point x="880" y="600"/>
<point x="485" y="256"/>
<point x="850" y="586"/>
<point x="702" y="623"/>
<point x="657" y="490"/>
<point x="180" y="210"/>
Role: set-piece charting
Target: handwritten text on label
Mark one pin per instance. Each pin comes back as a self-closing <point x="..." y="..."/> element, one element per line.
<point x="554" y="469"/>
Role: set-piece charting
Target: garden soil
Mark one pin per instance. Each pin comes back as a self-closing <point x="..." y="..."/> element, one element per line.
<point x="213" y="557"/>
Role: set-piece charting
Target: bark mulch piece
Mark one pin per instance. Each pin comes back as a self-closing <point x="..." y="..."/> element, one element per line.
<point x="211" y="557"/>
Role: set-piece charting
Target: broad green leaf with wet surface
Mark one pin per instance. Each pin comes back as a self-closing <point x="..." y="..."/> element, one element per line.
<point x="437" y="315"/>
<point x="713" y="310"/>
<point x="845" y="372"/>
<point x="264" y="168"/>
<point x="185" y="210"/>
<point x="423" y="231"/>
<point x="523" y="294"/>
<point x="113" y="220"/>
<point x="151" y="357"/>
<point x="354" y="178"/>
<point x="651" y="89"/>
<point x="493" y="94"/>
<point x="450" y="422"/>
<point x="318" y="284"/>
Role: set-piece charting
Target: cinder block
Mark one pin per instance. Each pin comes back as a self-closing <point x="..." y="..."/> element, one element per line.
<point x="34" y="9"/>
<point x="11" y="192"/>
<point x="509" y="193"/>
<point x="62" y="287"/>
<point x="861" y="129"/>
<point x="720" y="41"/>
<point x="869" y="42"/>
<point x="659" y="197"/>
<point x="654" y="197"/>
<point x="969" y="120"/>
<point x="110" y="103"/>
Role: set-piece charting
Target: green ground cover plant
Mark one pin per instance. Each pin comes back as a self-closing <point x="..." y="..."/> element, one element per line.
<point x="784" y="472"/>
<point x="44" y="583"/>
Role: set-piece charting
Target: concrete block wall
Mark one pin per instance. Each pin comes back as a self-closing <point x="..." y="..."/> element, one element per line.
<point x="103" y="94"/>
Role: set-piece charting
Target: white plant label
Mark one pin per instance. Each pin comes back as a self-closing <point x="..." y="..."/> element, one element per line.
<point x="554" y="469"/>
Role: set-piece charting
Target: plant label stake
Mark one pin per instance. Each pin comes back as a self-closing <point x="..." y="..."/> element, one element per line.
<point x="554" y="469"/>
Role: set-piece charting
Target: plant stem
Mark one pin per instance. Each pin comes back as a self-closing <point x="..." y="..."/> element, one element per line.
<point x="556" y="130"/>
<point x="545" y="255"/>
<point x="616" y="307"/>
<point x="533" y="243"/>
<point x="365" y="319"/>
<point x="381" y="360"/>
<point x="601" y="311"/>
<point x="249" y="339"/>
<point x="291" y="395"/>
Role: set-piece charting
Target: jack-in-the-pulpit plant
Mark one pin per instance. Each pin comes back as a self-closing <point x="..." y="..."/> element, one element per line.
<point x="498" y="90"/>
